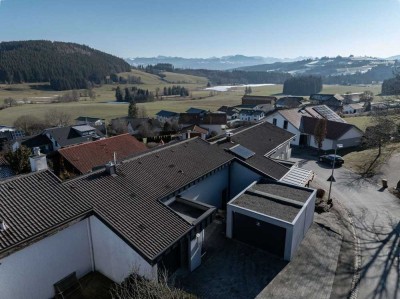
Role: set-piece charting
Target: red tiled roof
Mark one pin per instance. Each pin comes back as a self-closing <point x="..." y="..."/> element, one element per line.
<point x="88" y="155"/>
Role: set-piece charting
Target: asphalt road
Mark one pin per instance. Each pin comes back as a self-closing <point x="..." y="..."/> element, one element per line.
<point x="376" y="215"/>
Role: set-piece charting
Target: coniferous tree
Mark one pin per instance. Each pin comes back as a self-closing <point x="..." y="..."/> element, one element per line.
<point x="118" y="94"/>
<point x="132" y="110"/>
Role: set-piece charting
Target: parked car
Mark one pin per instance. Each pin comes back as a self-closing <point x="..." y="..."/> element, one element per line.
<point x="330" y="158"/>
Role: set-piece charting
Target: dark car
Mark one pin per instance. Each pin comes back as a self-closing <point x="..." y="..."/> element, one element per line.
<point x="330" y="158"/>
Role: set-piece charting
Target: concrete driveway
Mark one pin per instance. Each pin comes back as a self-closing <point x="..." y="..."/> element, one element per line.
<point x="376" y="215"/>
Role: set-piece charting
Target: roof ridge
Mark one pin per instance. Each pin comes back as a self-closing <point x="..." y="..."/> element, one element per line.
<point x="86" y="143"/>
<point x="24" y="175"/>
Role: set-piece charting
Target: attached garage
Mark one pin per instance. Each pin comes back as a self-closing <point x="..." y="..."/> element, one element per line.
<point x="272" y="216"/>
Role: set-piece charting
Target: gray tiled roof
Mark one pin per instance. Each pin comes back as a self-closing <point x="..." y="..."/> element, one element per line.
<point x="33" y="204"/>
<point x="261" y="139"/>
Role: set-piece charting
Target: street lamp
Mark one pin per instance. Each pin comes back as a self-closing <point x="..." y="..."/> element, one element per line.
<point x="333" y="168"/>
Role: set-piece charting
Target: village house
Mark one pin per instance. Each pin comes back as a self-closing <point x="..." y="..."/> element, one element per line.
<point x="264" y="103"/>
<point x="289" y="102"/>
<point x="152" y="211"/>
<point x="251" y="115"/>
<point x="215" y="123"/>
<point x="351" y="98"/>
<point x="336" y="133"/>
<point x="52" y="139"/>
<point x="167" y="116"/>
<point x="290" y="120"/>
<point x="83" y="158"/>
<point x="193" y="131"/>
<point x="333" y="101"/>
<point x="5" y="169"/>
<point x="232" y="113"/>
<point x="353" y="108"/>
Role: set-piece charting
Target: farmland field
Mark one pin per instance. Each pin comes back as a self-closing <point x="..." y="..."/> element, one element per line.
<point x="101" y="106"/>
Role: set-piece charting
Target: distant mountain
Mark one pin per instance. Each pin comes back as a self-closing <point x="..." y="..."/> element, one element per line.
<point x="326" y="66"/>
<point x="397" y="57"/>
<point x="64" y="65"/>
<point x="212" y="63"/>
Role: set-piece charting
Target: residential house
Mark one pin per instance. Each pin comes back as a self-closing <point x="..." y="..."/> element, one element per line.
<point x="289" y="102"/>
<point x="150" y="212"/>
<point x="91" y="121"/>
<point x="135" y="126"/>
<point x="251" y="115"/>
<point x="266" y="102"/>
<point x="333" y="101"/>
<point x="290" y="120"/>
<point x="167" y="116"/>
<point x="199" y="111"/>
<point x="232" y="113"/>
<point x="192" y="131"/>
<point x="215" y="123"/>
<point x="353" y="108"/>
<point x="336" y="133"/>
<point x="83" y="158"/>
<point x="52" y="139"/>
<point x="351" y="98"/>
<point x="9" y="135"/>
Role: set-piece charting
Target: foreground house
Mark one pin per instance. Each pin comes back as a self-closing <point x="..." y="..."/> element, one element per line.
<point x="151" y="212"/>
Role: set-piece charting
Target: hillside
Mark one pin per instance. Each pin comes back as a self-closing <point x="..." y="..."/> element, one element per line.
<point x="212" y="63"/>
<point x="64" y="65"/>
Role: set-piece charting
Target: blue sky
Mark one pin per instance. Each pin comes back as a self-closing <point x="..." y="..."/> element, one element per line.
<point x="189" y="28"/>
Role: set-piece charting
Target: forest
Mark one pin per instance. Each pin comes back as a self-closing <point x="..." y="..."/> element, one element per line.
<point x="64" y="65"/>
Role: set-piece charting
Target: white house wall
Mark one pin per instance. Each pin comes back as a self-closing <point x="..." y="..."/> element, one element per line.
<point x="113" y="257"/>
<point x="351" y="138"/>
<point x="32" y="271"/>
<point x="279" y="123"/>
<point x="209" y="190"/>
<point x="327" y="144"/>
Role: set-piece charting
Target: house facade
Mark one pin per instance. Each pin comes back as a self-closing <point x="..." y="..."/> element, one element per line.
<point x="251" y="115"/>
<point x="353" y="108"/>
<point x="334" y="101"/>
<point x="167" y="116"/>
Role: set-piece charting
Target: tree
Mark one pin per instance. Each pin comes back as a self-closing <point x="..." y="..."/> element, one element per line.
<point x="75" y="95"/>
<point x="10" y="102"/>
<point x="382" y="130"/>
<point x="57" y="118"/>
<point x="142" y="113"/>
<point x="132" y="110"/>
<point x="128" y="97"/>
<point x="19" y="160"/>
<point x="248" y="90"/>
<point x="302" y="85"/>
<point x="92" y="94"/>
<point x="367" y="96"/>
<point x="118" y="94"/>
<point x="320" y="132"/>
<point x="29" y="124"/>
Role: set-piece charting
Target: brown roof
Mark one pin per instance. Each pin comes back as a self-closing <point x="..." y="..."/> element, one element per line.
<point x="250" y="100"/>
<point x="203" y="119"/>
<point x="84" y="157"/>
<point x="334" y="129"/>
<point x="294" y="115"/>
<point x="194" y="128"/>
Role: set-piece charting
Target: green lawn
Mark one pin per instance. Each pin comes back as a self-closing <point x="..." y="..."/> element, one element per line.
<point x="99" y="107"/>
<point x="362" y="122"/>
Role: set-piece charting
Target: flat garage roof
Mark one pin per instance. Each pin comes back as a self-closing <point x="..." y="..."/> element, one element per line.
<point x="275" y="200"/>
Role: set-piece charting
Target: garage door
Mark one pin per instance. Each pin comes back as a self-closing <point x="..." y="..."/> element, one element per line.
<point x="260" y="234"/>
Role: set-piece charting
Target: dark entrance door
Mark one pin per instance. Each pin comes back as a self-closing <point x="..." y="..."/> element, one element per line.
<point x="303" y="140"/>
<point x="170" y="262"/>
<point x="260" y="234"/>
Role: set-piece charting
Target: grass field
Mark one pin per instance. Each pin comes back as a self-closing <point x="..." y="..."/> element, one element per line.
<point x="101" y="108"/>
<point x="362" y="122"/>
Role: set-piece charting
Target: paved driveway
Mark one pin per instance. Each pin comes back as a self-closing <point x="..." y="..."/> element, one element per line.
<point x="376" y="216"/>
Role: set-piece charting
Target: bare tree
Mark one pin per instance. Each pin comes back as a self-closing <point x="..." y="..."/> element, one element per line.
<point x="57" y="118"/>
<point x="320" y="132"/>
<point x="367" y="96"/>
<point x="29" y="124"/>
<point x="10" y="102"/>
<point x="142" y="113"/>
<point x="381" y="131"/>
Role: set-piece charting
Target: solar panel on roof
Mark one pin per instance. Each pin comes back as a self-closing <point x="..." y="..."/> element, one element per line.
<point x="242" y="151"/>
<point x="328" y="113"/>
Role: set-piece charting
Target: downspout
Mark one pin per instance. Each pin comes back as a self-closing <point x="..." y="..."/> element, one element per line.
<point x="89" y="230"/>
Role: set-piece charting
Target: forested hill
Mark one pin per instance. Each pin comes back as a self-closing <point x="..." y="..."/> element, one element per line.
<point x="64" y="65"/>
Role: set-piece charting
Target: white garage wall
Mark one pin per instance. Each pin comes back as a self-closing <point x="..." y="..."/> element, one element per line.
<point x="209" y="190"/>
<point x="113" y="257"/>
<point x="32" y="271"/>
<point x="279" y="123"/>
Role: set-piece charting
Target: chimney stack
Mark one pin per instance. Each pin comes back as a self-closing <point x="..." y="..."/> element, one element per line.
<point x="38" y="161"/>
<point x="111" y="168"/>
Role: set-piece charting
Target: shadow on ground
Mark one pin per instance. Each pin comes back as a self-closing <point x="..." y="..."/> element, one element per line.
<point x="229" y="269"/>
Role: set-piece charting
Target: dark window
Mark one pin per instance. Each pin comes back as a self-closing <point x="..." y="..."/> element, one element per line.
<point x="274" y="121"/>
<point x="285" y="124"/>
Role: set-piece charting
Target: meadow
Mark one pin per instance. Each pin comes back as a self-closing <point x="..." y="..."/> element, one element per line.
<point x="40" y="97"/>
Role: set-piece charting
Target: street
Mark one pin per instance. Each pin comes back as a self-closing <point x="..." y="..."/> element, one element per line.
<point x="375" y="213"/>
